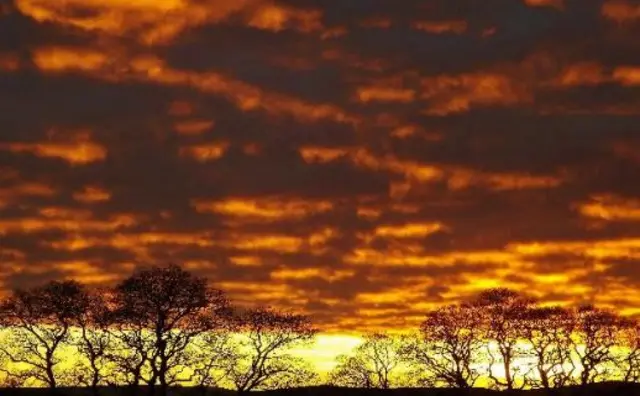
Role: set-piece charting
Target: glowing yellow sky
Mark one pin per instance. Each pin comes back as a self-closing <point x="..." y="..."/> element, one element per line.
<point x="359" y="165"/>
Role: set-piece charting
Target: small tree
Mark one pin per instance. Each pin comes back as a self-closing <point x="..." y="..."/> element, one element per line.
<point x="548" y="332"/>
<point x="371" y="365"/>
<point x="449" y="343"/>
<point x="596" y="336"/>
<point x="39" y="322"/>
<point x="94" y="339"/>
<point x="210" y="355"/>
<point x="502" y="310"/>
<point x="629" y="361"/>
<point x="262" y="358"/>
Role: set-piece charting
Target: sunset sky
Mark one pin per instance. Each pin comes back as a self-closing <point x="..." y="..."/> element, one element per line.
<point x="361" y="161"/>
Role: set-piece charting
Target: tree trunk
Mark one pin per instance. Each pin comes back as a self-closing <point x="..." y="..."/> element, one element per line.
<point x="507" y="372"/>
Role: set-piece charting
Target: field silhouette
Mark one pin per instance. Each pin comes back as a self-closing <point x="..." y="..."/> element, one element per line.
<point x="164" y="331"/>
<point x="601" y="389"/>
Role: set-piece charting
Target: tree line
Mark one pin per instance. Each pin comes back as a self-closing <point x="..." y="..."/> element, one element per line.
<point x="503" y="338"/>
<point x="164" y="326"/>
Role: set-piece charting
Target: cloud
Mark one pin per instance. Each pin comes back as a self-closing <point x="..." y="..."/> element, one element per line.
<point x="611" y="208"/>
<point x="264" y="209"/>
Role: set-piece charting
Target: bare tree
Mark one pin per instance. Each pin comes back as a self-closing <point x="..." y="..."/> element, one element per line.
<point x="502" y="310"/>
<point x="548" y="332"/>
<point x="262" y="358"/>
<point x="595" y="337"/>
<point x="129" y="356"/>
<point x="94" y="338"/>
<point x="371" y="364"/>
<point x="210" y="356"/>
<point x="162" y="310"/>
<point x="449" y="343"/>
<point x="39" y="322"/>
<point x="629" y="361"/>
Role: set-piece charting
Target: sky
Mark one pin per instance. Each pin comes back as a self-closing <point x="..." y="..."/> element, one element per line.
<point x="359" y="161"/>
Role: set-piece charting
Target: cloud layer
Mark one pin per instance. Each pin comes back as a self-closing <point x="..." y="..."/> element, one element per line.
<point x="359" y="161"/>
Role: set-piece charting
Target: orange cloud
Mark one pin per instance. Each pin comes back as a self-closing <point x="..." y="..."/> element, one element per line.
<point x="330" y="275"/>
<point x="384" y="94"/>
<point x="92" y="194"/>
<point x="457" y="178"/>
<point x="585" y="73"/>
<point x="151" y="69"/>
<point x="627" y="75"/>
<point x="611" y="208"/>
<point x="75" y="153"/>
<point x="205" y="152"/>
<point x="464" y="178"/>
<point x="441" y="27"/>
<point x="149" y="22"/>
<point x="20" y="190"/>
<point x="412" y="230"/>
<point x="621" y="11"/>
<point x="263" y="209"/>
<point x="322" y="154"/>
<point x="459" y="93"/>
<point x="66" y="220"/>
<point x="277" y="243"/>
<point x="276" y="18"/>
<point x="559" y="4"/>
<point x="193" y="127"/>
<point x="246" y="261"/>
<point x="63" y="59"/>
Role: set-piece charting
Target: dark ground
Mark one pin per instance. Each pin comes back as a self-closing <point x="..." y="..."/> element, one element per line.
<point x="606" y="389"/>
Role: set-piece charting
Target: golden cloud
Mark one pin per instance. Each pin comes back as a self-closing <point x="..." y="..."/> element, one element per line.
<point x="149" y="22"/>
<point x="193" y="127"/>
<point x="457" y="178"/>
<point x="559" y="4"/>
<point x="627" y="75"/>
<point x="611" y="208"/>
<point x="92" y="194"/>
<point x="277" y="17"/>
<point x="450" y="94"/>
<point x="205" y="152"/>
<point x="264" y="208"/>
<point x="412" y="230"/>
<point x="78" y="150"/>
<point x="310" y="273"/>
<point x="64" y="59"/>
<point x="9" y="195"/>
<point x="385" y="94"/>
<point x="621" y="11"/>
<point x="65" y="220"/>
<point x="277" y="243"/>
<point x="584" y="73"/>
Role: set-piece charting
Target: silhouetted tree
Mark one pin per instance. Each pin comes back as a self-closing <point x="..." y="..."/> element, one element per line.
<point x="129" y="356"/>
<point x="548" y="332"/>
<point x="370" y="365"/>
<point x="262" y="358"/>
<point x="163" y="309"/>
<point x="210" y="355"/>
<point x="502" y="312"/>
<point x="449" y="343"/>
<point x="596" y="334"/>
<point x="39" y="322"/>
<point x="629" y="361"/>
<point x="94" y="337"/>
